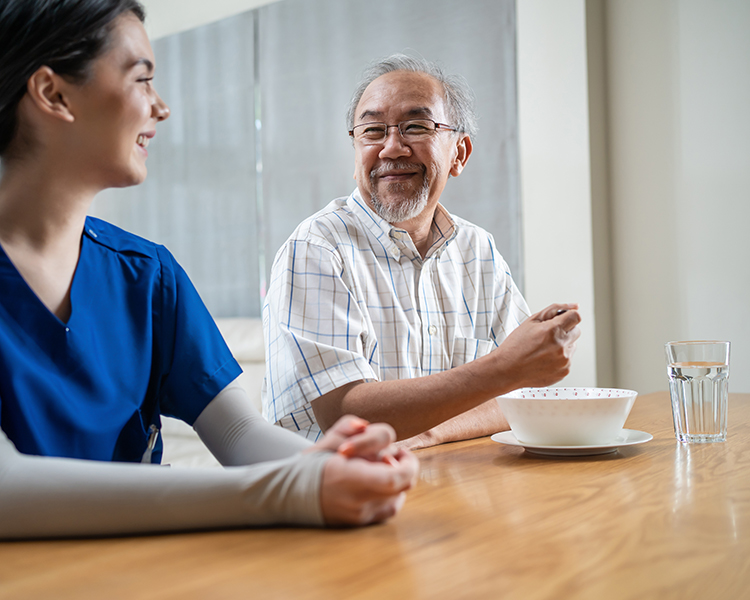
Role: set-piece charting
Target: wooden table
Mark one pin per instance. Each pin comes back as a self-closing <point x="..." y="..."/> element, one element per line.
<point x="659" y="520"/>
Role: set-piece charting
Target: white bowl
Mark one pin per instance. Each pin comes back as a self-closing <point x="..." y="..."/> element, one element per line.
<point x="567" y="416"/>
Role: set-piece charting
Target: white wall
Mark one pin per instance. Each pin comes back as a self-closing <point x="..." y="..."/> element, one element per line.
<point x="679" y="147"/>
<point x="555" y="166"/>
<point x="667" y="161"/>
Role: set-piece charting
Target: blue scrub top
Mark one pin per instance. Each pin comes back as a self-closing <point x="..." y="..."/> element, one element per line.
<point x="139" y="343"/>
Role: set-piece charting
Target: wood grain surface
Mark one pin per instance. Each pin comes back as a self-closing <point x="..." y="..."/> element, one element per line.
<point x="659" y="520"/>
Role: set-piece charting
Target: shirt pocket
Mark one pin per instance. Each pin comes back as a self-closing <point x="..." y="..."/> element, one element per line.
<point x="467" y="349"/>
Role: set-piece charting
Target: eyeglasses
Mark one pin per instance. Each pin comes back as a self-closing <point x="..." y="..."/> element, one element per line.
<point x="414" y="130"/>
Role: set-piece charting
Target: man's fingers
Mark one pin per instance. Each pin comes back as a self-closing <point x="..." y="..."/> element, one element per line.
<point x="567" y="321"/>
<point x="574" y="334"/>
<point x="554" y="310"/>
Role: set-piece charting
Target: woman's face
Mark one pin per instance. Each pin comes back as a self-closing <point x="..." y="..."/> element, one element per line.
<point x="116" y="110"/>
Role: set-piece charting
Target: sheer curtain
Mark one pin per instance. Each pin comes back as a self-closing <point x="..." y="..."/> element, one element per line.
<point x="257" y="138"/>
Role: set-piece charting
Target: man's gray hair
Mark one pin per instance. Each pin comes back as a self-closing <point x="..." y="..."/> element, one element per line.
<point x="459" y="99"/>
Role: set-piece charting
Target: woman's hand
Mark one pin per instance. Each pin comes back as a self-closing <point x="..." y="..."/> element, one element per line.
<point x="367" y="478"/>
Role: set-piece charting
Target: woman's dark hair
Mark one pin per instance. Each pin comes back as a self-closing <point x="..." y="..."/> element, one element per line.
<point x="65" y="35"/>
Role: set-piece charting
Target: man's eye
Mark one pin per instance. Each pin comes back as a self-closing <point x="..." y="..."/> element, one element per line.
<point x="416" y="128"/>
<point x="372" y="130"/>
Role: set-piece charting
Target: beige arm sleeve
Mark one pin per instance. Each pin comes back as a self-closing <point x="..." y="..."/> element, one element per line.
<point x="53" y="497"/>
<point x="237" y="434"/>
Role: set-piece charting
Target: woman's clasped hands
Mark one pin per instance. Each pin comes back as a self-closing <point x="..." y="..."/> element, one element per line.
<point x="367" y="478"/>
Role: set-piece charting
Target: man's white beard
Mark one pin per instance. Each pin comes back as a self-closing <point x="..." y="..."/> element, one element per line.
<point x="403" y="210"/>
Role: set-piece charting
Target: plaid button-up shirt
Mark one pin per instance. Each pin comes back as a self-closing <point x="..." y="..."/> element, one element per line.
<point x="351" y="299"/>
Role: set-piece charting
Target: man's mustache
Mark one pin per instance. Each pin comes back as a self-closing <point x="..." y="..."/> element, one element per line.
<point x="397" y="166"/>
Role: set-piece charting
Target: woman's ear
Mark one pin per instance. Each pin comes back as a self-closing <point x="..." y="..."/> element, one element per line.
<point x="46" y="90"/>
<point x="463" y="151"/>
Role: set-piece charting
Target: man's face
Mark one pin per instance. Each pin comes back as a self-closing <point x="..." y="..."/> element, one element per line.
<point x="400" y="180"/>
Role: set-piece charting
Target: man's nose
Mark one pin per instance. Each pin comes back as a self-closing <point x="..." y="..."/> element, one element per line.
<point x="394" y="145"/>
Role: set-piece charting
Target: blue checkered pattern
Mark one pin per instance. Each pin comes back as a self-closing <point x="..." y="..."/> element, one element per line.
<point x="350" y="299"/>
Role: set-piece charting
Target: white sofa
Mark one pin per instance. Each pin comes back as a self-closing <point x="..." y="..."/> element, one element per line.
<point x="244" y="336"/>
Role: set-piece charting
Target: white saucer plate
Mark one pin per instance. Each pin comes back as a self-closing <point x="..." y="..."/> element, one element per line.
<point x="627" y="437"/>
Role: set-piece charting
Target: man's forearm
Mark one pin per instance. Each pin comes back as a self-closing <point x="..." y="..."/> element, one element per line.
<point x="485" y="419"/>
<point x="413" y="406"/>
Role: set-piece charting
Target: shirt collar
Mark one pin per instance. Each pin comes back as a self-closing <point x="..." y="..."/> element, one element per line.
<point x="397" y="240"/>
<point x="444" y="229"/>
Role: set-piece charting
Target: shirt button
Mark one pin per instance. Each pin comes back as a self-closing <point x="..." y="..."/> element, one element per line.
<point x="396" y="235"/>
<point x="67" y="330"/>
<point x="432" y="330"/>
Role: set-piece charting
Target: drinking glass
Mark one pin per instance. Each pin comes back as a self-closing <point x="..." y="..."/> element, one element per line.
<point x="699" y="386"/>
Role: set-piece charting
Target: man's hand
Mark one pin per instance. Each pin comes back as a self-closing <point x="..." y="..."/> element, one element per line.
<point x="540" y="349"/>
<point x="367" y="478"/>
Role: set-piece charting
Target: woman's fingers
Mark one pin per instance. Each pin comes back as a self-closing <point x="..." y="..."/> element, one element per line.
<point x="370" y="443"/>
<point x="357" y="491"/>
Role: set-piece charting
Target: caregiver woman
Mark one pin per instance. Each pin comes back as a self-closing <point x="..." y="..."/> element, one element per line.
<point x="102" y="331"/>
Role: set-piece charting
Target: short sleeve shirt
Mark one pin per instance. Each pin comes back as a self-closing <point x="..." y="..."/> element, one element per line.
<point x="139" y="343"/>
<point x="351" y="299"/>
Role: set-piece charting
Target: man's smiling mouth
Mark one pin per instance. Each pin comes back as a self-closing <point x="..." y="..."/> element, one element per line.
<point x="396" y="171"/>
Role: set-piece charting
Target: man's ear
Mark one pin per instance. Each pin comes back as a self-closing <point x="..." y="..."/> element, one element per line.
<point x="463" y="151"/>
<point x="46" y="91"/>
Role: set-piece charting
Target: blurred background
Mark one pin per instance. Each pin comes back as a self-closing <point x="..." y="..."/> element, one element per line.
<point x="612" y="163"/>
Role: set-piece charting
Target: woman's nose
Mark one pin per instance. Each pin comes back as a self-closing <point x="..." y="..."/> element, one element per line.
<point x="160" y="109"/>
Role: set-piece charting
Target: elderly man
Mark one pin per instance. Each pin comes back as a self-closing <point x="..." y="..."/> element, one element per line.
<point x="384" y="305"/>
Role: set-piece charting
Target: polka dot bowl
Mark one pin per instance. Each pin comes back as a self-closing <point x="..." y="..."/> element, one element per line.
<point x="567" y="416"/>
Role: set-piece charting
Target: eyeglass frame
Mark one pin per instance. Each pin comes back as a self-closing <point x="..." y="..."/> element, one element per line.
<point x="438" y="127"/>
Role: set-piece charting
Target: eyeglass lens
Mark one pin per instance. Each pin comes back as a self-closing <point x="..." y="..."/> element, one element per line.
<point x="412" y="130"/>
